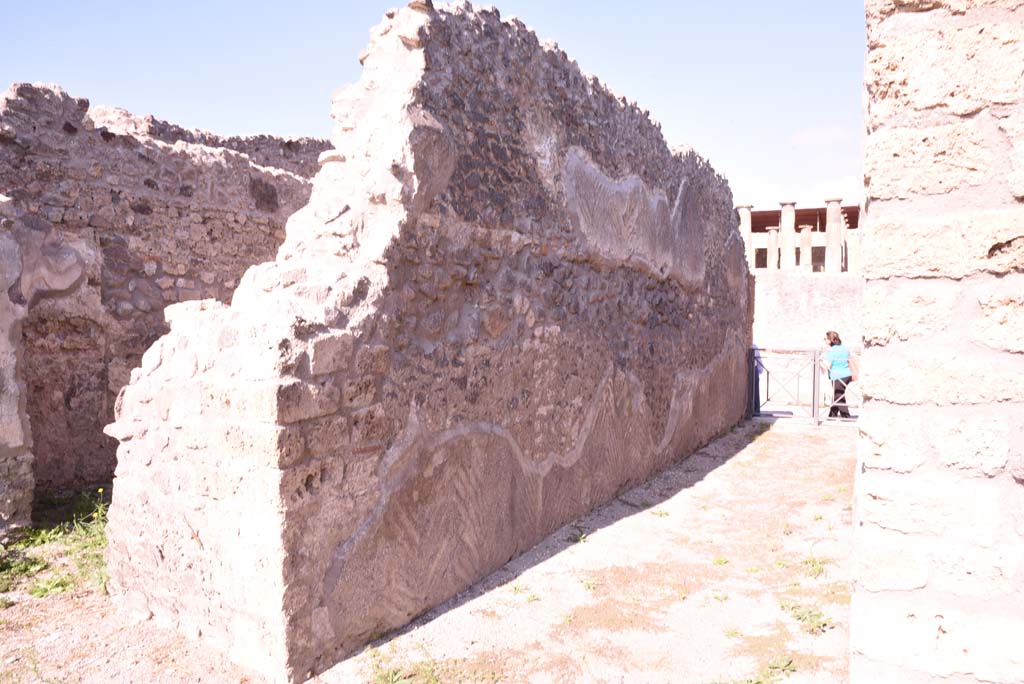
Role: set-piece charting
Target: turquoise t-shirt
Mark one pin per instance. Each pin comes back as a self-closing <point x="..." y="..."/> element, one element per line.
<point x="838" y="360"/>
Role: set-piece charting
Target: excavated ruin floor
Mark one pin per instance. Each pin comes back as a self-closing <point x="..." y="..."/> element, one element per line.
<point x="732" y="566"/>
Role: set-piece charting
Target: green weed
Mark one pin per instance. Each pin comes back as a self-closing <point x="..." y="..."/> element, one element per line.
<point x="57" y="584"/>
<point x="812" y="619"/>
<point x="815" y="567"/>
<point x="16" y="565"/>
<point x="577" y="537"/>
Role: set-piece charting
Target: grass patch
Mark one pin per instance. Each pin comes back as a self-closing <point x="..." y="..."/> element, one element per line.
<point x="70" y="533"/>
<point x="721" y="561"/>
<point x="17" y="566"/>
<point x="660" y="513"/>
<point x="56" y="584"/>
<point x="384" y="670"/>
<point x="815" y="567"/>
<point x="771" y="673"/>
<point x="812" y="619"/>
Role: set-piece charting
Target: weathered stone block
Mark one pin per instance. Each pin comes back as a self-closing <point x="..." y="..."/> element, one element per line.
<point x="880" y="9"/>
<point x="1013" y="126"/>
<point x="989" y="310"/>
<point x="509" y="315"/>
<point x="904" y="162"/>
<point x="330" y="353"/>
<point x="921" y="372"/>
<point x="954" y="245"/>
<point x="923" y="66"/>
<point x="916" y="637"/>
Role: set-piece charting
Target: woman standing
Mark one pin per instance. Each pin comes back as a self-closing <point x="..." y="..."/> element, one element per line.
<point x="837" y="363"/>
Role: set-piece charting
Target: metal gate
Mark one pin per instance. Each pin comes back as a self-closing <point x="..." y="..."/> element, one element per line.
<point x="790" y="383"/>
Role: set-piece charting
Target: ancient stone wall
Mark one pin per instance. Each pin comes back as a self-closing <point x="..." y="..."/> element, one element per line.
<point x="506" y="301"/>
<point x="153" y="223"/>
<point x="939" y="512"/>
<point x="793" y="310"/>
<point x="298" y="155"/>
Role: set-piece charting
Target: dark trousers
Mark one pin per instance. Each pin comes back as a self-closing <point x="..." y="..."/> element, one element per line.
<point x="839" y="398"/>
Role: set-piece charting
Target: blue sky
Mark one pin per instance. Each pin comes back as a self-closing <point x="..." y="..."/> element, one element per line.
<point x="769" y="92"/>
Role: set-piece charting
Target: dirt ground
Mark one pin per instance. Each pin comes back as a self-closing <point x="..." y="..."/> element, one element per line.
<point x="731" y="567"/>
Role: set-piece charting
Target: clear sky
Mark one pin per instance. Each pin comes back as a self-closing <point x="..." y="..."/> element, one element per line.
<point x="769" y="92"/>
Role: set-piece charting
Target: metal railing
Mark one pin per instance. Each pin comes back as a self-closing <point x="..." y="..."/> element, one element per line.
<point x="790" y="383"/>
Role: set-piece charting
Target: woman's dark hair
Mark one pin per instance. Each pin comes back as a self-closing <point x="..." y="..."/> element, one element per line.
<point x="833" y="338"/>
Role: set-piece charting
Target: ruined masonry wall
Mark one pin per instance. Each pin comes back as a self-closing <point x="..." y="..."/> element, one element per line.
<point x="939" y="504"/>
<point x="153" y="224"/>
<point x="298" y="155"/>
<point x="506" y="301"/>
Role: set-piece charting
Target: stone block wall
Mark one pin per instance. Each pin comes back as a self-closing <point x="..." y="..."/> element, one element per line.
<point x="154" y="221"/>
<point x="506" y="301"/>
<point x="939" y="505"/>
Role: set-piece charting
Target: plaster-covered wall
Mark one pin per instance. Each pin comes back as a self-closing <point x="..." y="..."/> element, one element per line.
<point x="792" y="310"/>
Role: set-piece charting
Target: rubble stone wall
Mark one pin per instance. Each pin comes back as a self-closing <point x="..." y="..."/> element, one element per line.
<point x="153" y="223"/>
<point x="939" y="504"/>
<point x="506" y="301"/>
<point x="298" y="155"/>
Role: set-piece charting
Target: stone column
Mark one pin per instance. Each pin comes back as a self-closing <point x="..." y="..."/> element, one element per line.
<point x="745" y="233"/>
<point x="773" y="248"/>
<point x="833" y="236"/>
<point x="853" y="251"/>
<point x="787" y="236"/>
<point x="806" y="249"/>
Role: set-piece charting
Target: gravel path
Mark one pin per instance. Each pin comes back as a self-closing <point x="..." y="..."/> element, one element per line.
<point x="732" y="566"/>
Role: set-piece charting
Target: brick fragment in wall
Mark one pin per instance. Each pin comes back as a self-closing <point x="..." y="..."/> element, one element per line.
<point x="507" y="300"/>
<point x="148" y="206"/>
